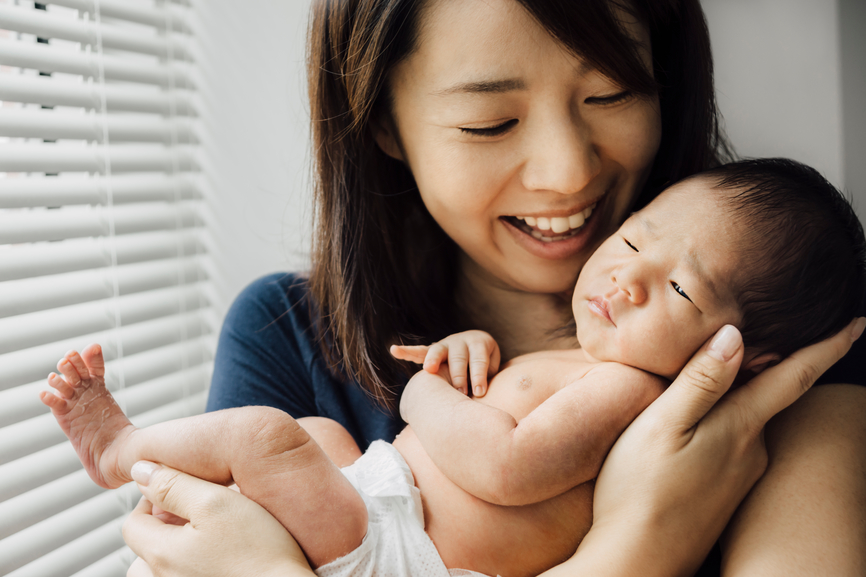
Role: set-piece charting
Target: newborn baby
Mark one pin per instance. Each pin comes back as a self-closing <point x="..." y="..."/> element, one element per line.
<point x="501" y="483"/>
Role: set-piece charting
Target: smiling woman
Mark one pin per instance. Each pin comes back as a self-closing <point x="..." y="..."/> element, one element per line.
<point x="436" y="125"/>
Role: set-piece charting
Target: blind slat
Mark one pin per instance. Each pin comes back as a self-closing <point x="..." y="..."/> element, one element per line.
<point x="22" y="403"/>
<point x="125" y="189"/>
<point x="51" y="125"/>
<point x="45" y="293"/>
<point x="169" y="17"/>
<point x="72" y="222"/>
<point x="114" y="564"/>
<point x="44" y="327"/>
<point x="128" y="158"/>
<point x="88" y="253"/>
<point x="47" y="25"/>
<point x="30" y="365"/>
<point x="41" y="539"/>
<point x="60" y="460"/>
<point x="42" y="431"/>
<point x="50" y="499"/>
<point x="46" y="58"/>
<point x="118" y="98"/>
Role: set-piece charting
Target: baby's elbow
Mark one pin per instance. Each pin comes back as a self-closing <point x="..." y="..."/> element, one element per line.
<point x="503" y="488"/>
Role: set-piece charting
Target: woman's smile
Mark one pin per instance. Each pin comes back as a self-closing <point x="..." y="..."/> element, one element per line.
<point x="553" y="235"/>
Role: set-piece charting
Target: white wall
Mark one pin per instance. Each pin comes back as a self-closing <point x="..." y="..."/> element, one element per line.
<point x="852" y="18"/>
<point x="258" y="122"/>
<point x="780" y="79"/>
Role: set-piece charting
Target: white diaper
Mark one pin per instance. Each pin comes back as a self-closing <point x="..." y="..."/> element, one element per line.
<point x="396" y="544"/>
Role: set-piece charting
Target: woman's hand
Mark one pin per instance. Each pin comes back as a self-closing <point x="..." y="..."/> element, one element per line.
<point x="472" y="352"/>
<point x="227" y="534"/>
<point x="675" y="477"/>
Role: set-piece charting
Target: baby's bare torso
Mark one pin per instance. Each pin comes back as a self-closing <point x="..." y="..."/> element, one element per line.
<point x="513" y="541"/>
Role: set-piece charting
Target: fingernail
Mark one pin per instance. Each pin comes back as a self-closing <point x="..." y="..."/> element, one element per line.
<point x="142" y="471"/>
<point x="478" y="391"/>
<point x="725" y="343"/>
<point x="858" y="329"/>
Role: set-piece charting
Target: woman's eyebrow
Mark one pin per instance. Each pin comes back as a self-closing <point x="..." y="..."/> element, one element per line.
<point x="483" y="87"/>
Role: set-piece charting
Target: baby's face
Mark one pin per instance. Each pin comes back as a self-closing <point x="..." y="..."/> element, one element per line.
<point x="657" y="289"/>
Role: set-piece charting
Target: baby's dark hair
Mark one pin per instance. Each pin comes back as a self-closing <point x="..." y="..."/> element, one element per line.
<point x="804" y="273"/>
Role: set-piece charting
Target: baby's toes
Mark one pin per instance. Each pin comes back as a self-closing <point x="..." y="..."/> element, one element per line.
<point x="64" y="389"/>
<point x="93" y="360"/>
<point x="67" y="368"/>
<point x="79" y="363"/>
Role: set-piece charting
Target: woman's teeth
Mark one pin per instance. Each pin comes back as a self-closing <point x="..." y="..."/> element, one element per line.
<point x="558" y="225"/>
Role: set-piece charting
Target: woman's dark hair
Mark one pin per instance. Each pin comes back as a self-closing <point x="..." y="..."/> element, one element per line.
<point x="803" y="274"/>
<point x="383" y="271"/>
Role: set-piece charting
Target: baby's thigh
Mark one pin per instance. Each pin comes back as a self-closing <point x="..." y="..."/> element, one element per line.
<point x="333" y="438"/>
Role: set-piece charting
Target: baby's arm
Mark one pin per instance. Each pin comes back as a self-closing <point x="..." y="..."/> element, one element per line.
<point x="559" y="445"/>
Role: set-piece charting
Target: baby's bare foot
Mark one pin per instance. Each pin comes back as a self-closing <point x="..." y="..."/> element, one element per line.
<point x="89" y="415"/>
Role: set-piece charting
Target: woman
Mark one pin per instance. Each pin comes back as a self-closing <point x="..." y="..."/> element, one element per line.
<point x="436" y="124"/>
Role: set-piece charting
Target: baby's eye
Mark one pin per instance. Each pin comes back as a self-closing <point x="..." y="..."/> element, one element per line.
<point x="491" y="130"/>
<point x="631" y="245"/>
<point x="680" y="290"/>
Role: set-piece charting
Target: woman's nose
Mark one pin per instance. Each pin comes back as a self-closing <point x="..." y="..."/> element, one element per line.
<point x="562" y="157"/>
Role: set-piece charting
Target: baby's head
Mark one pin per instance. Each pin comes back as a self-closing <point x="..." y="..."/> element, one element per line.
<point x="766" y="245"/>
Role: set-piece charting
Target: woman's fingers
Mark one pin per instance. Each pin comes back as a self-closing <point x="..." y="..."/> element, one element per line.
<point x="778" y="387"/>
<point x="224" y="526"/>
<point x="706" y="377"/>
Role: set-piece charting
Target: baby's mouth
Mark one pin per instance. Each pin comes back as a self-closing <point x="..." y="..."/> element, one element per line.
<point x="551" y="229"/>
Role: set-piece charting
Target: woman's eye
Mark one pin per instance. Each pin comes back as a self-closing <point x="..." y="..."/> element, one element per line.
<point x="633" y="247"/>
<point x="680" y="290"/>
<point x="612" y="99"/>
<point x="492" y="130"/>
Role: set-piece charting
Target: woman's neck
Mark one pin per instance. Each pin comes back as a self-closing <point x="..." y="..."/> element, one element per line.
<point x="521" y="322"/>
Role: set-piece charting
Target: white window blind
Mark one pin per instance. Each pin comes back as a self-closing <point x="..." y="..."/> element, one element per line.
<point x="102" y="239"/>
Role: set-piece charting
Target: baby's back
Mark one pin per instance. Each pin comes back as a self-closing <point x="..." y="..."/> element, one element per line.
<point x="511" y="541"/>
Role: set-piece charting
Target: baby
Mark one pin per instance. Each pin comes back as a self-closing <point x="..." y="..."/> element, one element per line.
<point x="767" y="246"/>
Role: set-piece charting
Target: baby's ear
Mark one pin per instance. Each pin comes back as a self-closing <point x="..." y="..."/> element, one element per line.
<point x="754" y="364"/>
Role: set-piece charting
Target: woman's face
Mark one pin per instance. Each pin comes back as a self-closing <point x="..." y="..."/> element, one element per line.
<point x="512" y="140"/>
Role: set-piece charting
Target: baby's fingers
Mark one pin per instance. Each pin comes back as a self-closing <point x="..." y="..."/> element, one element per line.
<point x="437" y="353"/>
<point x="413" y="354"/>
<point x="484" y="361"/>
<point x="458" y="366"/>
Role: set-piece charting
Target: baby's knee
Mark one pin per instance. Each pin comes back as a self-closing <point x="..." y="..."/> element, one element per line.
<point x="270" y="432"/>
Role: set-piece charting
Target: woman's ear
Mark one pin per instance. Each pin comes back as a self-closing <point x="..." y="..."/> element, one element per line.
<point x="756" y="364"/>
<point x="385" y="133"/>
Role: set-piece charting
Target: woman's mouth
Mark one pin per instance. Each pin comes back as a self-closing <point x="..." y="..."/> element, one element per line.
<point x="552" y="229"/>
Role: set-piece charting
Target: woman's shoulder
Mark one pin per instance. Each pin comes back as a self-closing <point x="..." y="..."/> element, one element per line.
<point x="276" y="293"/>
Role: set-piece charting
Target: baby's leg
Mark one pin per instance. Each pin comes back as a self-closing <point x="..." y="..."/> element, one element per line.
<point x="272" y="459"/>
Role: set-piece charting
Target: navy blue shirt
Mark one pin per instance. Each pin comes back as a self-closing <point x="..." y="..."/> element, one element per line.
<point x="268" y="355"/>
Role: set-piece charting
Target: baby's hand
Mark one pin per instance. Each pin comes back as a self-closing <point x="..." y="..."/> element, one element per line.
<point x="474" y="352"/>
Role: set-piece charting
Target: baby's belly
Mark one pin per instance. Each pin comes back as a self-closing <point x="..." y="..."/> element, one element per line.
<point x="509" y="541"/>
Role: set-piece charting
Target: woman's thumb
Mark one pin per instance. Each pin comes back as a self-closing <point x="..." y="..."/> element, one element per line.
<point x="176" y="492"/>
<point x="703" y="381"/>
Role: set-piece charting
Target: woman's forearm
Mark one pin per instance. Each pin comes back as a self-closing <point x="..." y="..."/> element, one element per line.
<point x="807" y="514"/>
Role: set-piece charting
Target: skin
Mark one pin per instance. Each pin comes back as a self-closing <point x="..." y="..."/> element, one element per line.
<point x="567" y="138"/>
<point x="659" y="287"/>
<point x="564" y="151"/>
